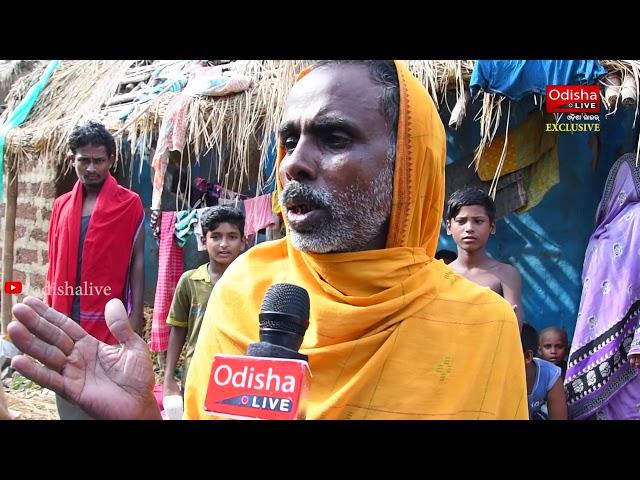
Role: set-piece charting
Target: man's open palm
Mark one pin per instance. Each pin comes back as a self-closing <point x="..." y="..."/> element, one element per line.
<point x="107" y="382"/>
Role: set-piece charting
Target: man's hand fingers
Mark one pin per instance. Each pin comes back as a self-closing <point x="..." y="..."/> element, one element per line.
<point x="42" y="328"/>
<point x="30" y="344"/>
<point x="38" y="373"/>
<point x="68" y="326"/>
<point x="118" y="322"/>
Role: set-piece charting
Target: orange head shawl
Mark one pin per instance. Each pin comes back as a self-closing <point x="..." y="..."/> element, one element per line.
<point x="393" y="333"/>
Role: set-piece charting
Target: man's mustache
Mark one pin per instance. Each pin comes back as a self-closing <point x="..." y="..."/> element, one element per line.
<point x="302" y="192"/>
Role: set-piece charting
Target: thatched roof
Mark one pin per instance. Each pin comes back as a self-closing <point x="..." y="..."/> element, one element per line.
<point x="79" y="90"/>
<point x="10" y="71"/>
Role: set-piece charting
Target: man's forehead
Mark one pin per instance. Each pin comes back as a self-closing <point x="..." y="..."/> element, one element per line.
<point x="91" y="151"/>
<point x="334" y="90"/>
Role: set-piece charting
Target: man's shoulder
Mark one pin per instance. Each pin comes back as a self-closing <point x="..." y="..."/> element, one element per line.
<point x="123" y="193"/>
<point x="62" y="198"/>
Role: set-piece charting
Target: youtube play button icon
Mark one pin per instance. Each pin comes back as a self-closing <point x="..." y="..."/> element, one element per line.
<point x="13" y="288"/>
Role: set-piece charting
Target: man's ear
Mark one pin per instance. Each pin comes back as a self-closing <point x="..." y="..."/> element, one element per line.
<point x="448" y="224"/>
<point x="71" y="157"/>
<point x="112" y="161"/>
<point x="493" y="227"/>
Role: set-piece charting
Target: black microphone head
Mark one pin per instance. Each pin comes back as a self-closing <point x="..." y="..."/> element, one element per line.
<point x="284" y="315"/>
<point x="286" y="298"/>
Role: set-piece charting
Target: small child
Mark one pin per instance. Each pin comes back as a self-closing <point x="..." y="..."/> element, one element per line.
<point x="223" y="235"/>
<point x="545" y="390"/>
<point x="553" y="347"/>
<point x="471" y="219"/>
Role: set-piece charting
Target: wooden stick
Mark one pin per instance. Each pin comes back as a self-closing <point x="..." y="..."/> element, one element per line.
<point x="9" y="234"/>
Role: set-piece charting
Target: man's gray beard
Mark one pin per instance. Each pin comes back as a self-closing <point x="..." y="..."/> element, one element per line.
<point x="356" y="216"/>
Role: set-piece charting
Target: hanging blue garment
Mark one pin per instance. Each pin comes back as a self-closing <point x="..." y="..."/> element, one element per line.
<point x="20" y="114"/>
<point x="516" y="79"/>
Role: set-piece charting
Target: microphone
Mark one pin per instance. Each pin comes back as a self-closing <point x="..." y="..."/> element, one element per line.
<point x="273" y="379"/>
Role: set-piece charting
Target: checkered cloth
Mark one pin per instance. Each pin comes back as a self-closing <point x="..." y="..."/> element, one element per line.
<point x="170" y="268"/>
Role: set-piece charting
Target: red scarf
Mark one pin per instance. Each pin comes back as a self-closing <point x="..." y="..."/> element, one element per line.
<point x="108" y="246"/>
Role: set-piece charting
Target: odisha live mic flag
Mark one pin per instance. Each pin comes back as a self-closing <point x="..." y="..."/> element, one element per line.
<point x="258" y="387"/>
<point x="573" y="99"/>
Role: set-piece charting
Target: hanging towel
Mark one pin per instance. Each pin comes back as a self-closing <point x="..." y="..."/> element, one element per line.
<point x="275" y="203"/>
<point x="172" y="137"/>
<point x="257" y="214"/>
<point x="170" y="268"/>
<point x="185" y="221"/>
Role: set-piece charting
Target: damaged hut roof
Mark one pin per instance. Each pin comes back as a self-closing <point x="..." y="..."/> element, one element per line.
<point x="10" y="71"/>
<point x="106" y="90"/>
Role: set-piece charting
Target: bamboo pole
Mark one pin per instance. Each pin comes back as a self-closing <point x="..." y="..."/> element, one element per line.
<point x="9" y="237"/>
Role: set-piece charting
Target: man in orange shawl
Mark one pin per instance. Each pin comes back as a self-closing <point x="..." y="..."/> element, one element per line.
<point x="393" y="334"/>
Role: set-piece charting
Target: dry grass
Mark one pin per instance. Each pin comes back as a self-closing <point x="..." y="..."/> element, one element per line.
<point x="29" y="400"/>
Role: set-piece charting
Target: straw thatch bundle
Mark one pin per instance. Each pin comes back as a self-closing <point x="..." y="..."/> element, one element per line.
<point x="75" y="92"/>
<point x="10" y="71"/>
<point x="629" y="72"/>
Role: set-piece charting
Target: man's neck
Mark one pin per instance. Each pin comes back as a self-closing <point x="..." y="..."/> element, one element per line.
<point x="92" y="191"/>
<point x="472" y="259"/>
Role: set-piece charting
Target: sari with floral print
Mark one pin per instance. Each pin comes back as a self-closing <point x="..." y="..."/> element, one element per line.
<point x="599" y="382"/>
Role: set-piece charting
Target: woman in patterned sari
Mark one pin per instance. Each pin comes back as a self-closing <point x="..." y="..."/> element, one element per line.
<point x="603" y="380"/>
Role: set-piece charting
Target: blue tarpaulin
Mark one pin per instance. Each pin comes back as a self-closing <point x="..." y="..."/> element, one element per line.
<point x="516" y="79"/>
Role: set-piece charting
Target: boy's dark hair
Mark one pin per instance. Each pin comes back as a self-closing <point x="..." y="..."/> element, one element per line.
<point x="92" y="133"/>
<point x="214" y="216"/>
<point x="447" y="255"/>
<point x="529" y="338"/>
<point x="470" y="196"/>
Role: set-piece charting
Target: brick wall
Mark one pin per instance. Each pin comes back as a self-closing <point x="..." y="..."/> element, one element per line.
<point x="36" y="193"/>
